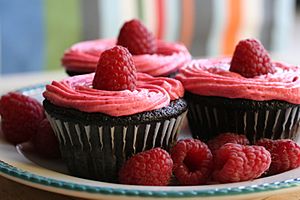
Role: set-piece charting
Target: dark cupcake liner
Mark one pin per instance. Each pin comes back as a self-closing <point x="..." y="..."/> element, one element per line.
<point x="98" y="152"/>
<point x="210" y="116"/>
<point x="75" y="73"/>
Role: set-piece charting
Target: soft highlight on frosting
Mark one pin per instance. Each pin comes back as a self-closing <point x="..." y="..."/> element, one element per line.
<point x="151" y="93"/>
<point x="211" y="77"/>
<point x="84" y="56"/>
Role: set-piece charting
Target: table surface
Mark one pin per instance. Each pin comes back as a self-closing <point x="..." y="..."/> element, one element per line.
<point x="17" y="81"/>
<point x="8" y="188"/>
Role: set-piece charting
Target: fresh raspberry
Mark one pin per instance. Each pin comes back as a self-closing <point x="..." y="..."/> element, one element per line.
<point x="251" y="59"/>
<point x="236" y="162"/>
<point x="45" y="142"/>
<point x="137" y="38"/>
<point x="152" y="167"/>
<point x="192" y="162"/>
<point x="115" y="70"/>
<point x="285" y="154"/>
<point x="21" y="116"/>
<point x="215" y="143"/>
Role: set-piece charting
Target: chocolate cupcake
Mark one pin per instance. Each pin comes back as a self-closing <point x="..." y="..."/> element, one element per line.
<point x="151" y="56"/>
<point x="220" y="100"/>
<point x="99" y="129"/>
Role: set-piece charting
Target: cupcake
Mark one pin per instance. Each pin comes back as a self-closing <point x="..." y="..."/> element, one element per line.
<point x="151" y="56"/>
<point x="247" y="94"/>
<point x="103" y="118"/>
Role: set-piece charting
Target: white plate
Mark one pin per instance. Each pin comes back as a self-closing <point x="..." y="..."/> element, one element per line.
<point x="20" y="164"/>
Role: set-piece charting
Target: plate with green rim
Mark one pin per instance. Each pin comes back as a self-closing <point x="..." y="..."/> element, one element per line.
<point x="19" y="163"/>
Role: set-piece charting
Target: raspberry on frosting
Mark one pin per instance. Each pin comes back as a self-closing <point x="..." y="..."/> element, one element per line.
<point x="137" y="38"/>
<point x="151" y="93"/>
<point x="169" y="57"/>
<point x="115" y="71"/>
<point x="211" y="77"/>
<point x="151" y="56"/>
<point x="251" y="59"/>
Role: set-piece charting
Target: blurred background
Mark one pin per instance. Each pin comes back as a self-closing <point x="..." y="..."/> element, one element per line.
<point x="35" y="33"/>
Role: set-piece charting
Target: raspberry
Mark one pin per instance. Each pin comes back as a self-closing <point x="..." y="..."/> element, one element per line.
<point x="285" y="154"/>
<point x="137" y="38"/>
<point x="115" y="70"/>
<point x="192" y="162"/>
<point x="251" y="59"/>
<point x="215" y="143"/>
<point x="21" y="116"/>
<point x="236" y="162"/>
<point x="152" y="167"/>
<point x="45" y="142"/>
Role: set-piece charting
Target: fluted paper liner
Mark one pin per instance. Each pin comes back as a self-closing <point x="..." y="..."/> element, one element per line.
<point x="98" y="152"/>
<point x="207" y="121"/>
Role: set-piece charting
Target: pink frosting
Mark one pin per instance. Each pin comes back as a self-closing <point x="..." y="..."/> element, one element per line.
<point x="211" y="77"/>
<point x="151" y="93"/>
<point x="84" y="56"/>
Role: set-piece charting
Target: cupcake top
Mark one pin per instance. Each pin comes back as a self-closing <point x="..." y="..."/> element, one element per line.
<point x="83" y="57"/>
<point x="150" y="55"/>
<point x="150" y="93"/>
<point x="212" y="77"/>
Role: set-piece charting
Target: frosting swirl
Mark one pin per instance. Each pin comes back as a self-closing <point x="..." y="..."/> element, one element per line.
<point x="151" y="93"/>
<point x="211" y="77"/>
<point x="84" y="56"/>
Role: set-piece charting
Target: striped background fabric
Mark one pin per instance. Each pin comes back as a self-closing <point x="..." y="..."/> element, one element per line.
<point x="206" y="27"/>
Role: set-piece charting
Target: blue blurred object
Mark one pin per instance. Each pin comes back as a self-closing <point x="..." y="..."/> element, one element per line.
<point x="22" y="35"/>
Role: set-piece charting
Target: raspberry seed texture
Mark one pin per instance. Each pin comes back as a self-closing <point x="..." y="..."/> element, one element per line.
<point x="20" y="117"/>
<point x="285" y="154"/>
<point x="137" y="38"/>
<point x="251" y="59"/>
<point x="235" y="162"/>
<point x="115" y="71"/>
<point x="192" y="162"/>
<point x="152" y="167"/>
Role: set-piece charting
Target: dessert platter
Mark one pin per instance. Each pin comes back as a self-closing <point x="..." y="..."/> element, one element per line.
<point x="138" y="117"/>
<point x="19" y="163"/>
